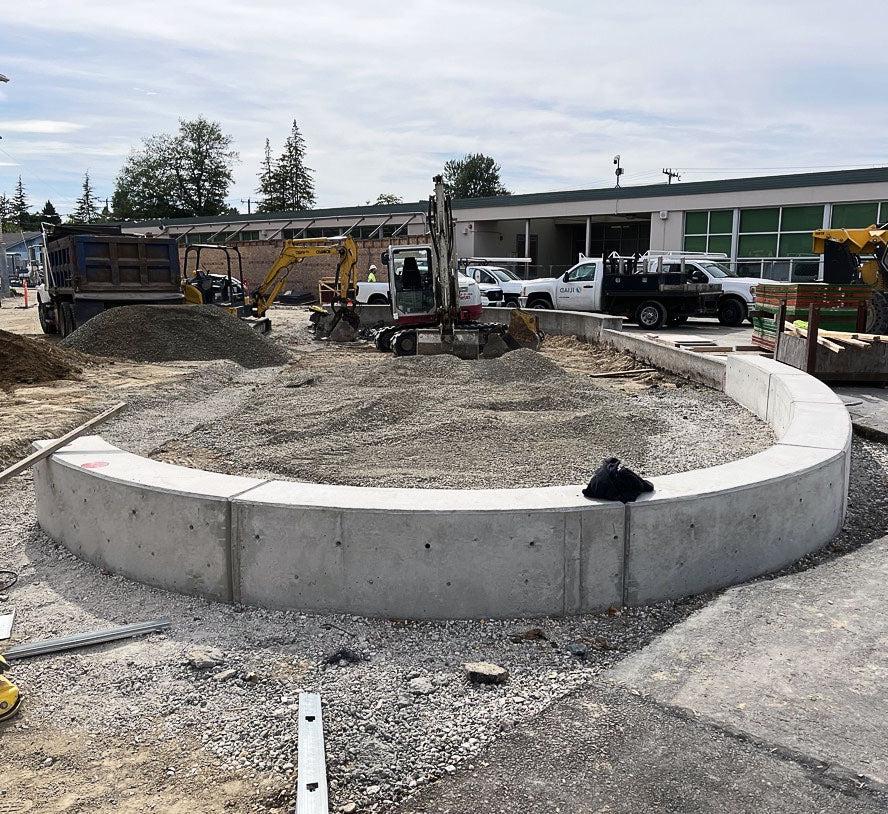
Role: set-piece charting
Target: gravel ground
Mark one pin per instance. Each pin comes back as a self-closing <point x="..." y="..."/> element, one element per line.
<point x="168" y="333"/>
<point x="385" y="736"/>
<point x="441" y="421"/>
<point x="197" y="733"/>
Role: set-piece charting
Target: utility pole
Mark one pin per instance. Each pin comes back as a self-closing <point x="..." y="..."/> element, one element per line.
<point x="619" y="170"/>
<point x="249" y="203"/>
<point x="670" y="174"/>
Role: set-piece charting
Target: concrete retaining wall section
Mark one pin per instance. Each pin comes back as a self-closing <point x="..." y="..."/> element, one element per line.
<point x="698" y="367"/>
<point x="588" y="326"/>
<point x="429" y="554"/>
<point x="154" y="522"/>
<point x="451" y="553"/>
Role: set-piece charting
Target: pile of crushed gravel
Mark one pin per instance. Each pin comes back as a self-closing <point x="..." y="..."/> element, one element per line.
<point x="170" y="333"/>
<point x="364" y="419"/>
<point x="31" y="361"/>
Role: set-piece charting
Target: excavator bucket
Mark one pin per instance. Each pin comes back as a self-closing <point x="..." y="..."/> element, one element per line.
<point x="524" y="330"/>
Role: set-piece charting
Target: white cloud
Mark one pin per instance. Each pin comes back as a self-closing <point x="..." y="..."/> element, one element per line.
<point x="43" y="126"/>
<point x="384" y="96"/>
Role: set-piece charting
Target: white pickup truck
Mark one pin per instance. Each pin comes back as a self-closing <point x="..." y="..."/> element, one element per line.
<point x="505" y="285"/>
<point x="652" y="299"/>
<point x="470" y="293"/>
<point x="737" y="292"/>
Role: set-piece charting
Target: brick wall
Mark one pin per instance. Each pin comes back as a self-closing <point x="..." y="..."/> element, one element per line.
<point x="259" y="255"/>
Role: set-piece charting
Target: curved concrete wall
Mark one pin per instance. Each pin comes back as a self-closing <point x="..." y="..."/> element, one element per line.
<point x="449" y="553"/>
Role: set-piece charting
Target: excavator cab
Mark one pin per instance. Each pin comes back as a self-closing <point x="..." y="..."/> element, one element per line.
<point x="413" y="294"/>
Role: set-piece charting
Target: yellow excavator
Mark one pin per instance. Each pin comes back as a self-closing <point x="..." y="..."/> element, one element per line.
<point x="858" y="255"/>
<point x="229" y="291"/>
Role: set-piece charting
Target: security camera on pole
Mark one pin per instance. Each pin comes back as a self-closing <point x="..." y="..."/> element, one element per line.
<point x="619" y="170"/>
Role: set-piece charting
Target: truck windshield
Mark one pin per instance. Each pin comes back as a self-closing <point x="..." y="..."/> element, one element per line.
<point x="718" y="270"/>
<point x="503" y="275"/>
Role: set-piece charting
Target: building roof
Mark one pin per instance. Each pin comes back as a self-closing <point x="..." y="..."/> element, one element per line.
<point x="13" y="239"/>
<point x="868" y="175"/>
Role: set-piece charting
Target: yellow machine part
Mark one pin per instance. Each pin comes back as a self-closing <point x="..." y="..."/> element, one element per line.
<point x="859" y="241"/>
<point x="295" y="251"/>
<point x="192" y="295"/>
<point x="10" y="698"/>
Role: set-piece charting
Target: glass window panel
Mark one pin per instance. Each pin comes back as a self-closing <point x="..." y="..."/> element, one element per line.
<point x="757" y="246"/>
<point x="695" y="244"/>
<point x="801" y="219"/>
<point x="720" y="243"/>
<point x="695" y="223"/>
<point x="759" y="220"/>
<point x="883" y="212"/>
<point x="721" y="222"/>
<point x="854" y="216"/>
<point x="797" y="245"/>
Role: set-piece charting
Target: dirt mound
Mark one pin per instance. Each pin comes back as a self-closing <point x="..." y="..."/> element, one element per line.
<point x="517" y="365"/>
<point x="171" y="333"/>
<point x="31" y="361"/>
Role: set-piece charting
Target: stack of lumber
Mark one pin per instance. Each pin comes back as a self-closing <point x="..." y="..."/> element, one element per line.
<point x="838" y="305"/>
<point x="837" y="341"/>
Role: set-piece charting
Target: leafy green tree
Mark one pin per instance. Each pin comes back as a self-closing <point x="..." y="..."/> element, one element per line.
<point x="202" y="162"/>
<point x="474" y="176"/>
<point x="48" y="214"/>
<point x="181" y="175"/>
<point x="86" y="207"/>
<point x="287" y="183"/>
<point x="388" y="198"/>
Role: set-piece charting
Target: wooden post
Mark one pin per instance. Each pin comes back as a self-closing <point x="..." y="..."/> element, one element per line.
<point x="861" y="317"/>
<point x="813" y="325"/>
<point x="781" y="321"/>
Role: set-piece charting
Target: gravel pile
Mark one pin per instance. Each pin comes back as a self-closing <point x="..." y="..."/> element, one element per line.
<point x="169" y="333"/>
<point x="361" y="418"/>
<point x="31" y="361"/>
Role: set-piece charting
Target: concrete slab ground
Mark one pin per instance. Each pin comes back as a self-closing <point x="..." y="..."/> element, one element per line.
<point x="799" y="662"/>
<point x="868" y="408"/>
<point x="700" y="329"/>
<point x="608" y="750"/>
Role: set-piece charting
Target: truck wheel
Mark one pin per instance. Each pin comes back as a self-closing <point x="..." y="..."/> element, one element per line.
<point x="650" y="314"/>
<point x="513" y="304"/>
<point x="540" y="302"/>
<point x="731" y="312"/>
<point x="68" y="326"/>
<point x="378" y="299"/>
<point x="877" y="313"/>
<point x="46" y="325"/>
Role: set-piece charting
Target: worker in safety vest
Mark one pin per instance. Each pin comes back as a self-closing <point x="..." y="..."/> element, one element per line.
<point x="371" y="274"/>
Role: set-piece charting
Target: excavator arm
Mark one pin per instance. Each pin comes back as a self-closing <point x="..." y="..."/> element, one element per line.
<point x="295" y="251"/>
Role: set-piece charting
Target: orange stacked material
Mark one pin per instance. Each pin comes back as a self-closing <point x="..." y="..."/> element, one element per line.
<point x="838" y="306"/>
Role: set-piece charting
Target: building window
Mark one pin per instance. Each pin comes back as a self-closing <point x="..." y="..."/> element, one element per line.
<point x="709" y="231"/>
<point x="855" y="215"/>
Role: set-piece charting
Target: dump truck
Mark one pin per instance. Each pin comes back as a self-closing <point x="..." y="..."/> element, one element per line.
<point x="92" y="268"/>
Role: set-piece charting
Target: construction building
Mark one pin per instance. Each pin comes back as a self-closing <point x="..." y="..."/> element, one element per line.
<point x="763" y="224"/>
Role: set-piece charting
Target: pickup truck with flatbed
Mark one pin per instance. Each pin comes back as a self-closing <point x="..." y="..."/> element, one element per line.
<point x="622" y="287"/>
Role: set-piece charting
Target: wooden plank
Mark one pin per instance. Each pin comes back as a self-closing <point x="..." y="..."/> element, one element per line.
<point x="829" y="345"/>
<point x="715" y="349"/>
<point x="55" y="446"/>
<point x="311" y="783"/>
<point x="610" y="374"/>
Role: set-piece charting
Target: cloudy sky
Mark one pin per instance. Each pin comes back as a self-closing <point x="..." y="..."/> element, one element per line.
<point x="385" y="93"/>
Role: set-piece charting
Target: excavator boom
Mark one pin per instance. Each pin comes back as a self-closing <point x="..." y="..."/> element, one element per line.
<point x="294" y="252"/>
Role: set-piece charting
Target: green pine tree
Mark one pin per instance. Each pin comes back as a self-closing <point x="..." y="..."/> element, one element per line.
<point x="287" y="183"/>
<point x="86" y="207"/>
